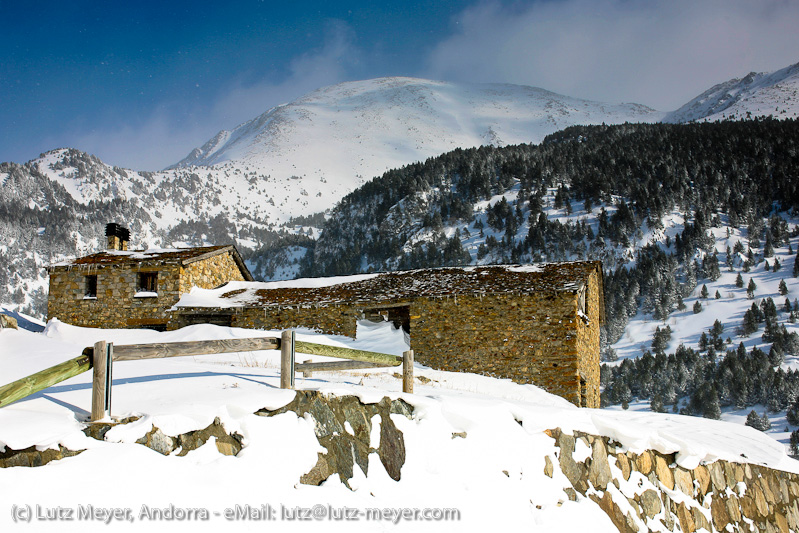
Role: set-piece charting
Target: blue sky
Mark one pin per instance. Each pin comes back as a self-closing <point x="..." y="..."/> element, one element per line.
<point x="139" y="84"/>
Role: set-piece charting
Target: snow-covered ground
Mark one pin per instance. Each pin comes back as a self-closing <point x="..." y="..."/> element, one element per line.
<point x="493" y="477"/>
<point x="729" y="309"/>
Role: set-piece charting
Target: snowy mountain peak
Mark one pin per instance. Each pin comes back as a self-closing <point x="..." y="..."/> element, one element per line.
<point x="364" y="128"/>
<point x="773" y="94"/>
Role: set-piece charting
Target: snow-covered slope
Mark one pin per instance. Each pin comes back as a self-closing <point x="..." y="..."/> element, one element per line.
<point x="475" y="444"/>
<point x="353" y="131"/>
<point x="773" y="94"/>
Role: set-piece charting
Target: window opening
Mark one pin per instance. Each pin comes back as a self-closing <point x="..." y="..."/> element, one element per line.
<point x="148" y="282"/>
<point x="91" y="286"/>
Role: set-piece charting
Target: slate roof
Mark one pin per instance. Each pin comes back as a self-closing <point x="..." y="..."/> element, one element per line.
<point x="430" y="283"/>
<point x="168" y="256"/>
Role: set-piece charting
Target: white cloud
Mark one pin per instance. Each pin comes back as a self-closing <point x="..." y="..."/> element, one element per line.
<point x="661" y="52"/>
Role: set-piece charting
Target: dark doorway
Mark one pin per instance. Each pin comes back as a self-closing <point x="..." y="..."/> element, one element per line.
<point x="217" y="319"/>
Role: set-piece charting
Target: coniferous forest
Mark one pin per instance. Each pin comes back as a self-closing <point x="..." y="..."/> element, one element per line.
<point x="625" y="181"/>
<point x="642" y="198"/>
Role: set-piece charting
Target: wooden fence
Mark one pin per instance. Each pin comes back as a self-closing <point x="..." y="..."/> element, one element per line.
<point x="102" y="356"/>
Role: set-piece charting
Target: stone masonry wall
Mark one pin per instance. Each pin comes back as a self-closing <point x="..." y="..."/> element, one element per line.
<point x="332" y="319"/>
<point x="117" y="304"/>
<point x="530" y="339"/>
<point x="588" y="343"/>
<point x="210" y="273"/>
<point x="649" y="492"/>
<point x="639" y="492"/>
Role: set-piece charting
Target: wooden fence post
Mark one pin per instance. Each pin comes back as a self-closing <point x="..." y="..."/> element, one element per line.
<point x="101" y="380"/>
<point x="287" y="360"/>
<point x="407" y="371"/>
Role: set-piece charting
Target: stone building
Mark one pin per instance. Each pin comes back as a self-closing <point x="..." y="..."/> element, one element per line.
<point x="533" y="324"/>
<point x="119" y="288"/>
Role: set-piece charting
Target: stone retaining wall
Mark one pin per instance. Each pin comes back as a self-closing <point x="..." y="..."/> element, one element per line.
<point x="648" y="491"/>
<point x="639" y="492"/>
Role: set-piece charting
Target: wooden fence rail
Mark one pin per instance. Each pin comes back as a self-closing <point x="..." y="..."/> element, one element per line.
<point x="28" y="385"/>
<point x="135" y="352"/>
<point x="312" y="348"/>
<point x="103" y="354"/>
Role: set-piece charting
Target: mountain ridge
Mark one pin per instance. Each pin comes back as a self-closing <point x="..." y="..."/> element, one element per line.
<point x="754" y="95"/>
<point x="368" y="127"/>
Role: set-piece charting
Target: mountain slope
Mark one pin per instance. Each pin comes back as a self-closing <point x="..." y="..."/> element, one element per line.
<point x="641" y="198"/>
<point x="367" y="127"/>
<point x="757" y="94"/>
<point x="269" y="179"/>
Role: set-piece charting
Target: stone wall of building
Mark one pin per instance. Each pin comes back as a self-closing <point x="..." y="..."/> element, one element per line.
<point x="537" y="339"/>
<point x="210" y="273"/>
<point x="116" y="304"/>
<point x="529" y="339"/>
<point x="331" y="319"/>
<point x="119" y="303"/>
<point x="588" y="343"/>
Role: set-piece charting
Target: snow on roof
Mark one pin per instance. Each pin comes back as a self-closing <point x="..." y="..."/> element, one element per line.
<point x="393" y="286"/>
<point x="179" y="256"/>
<point x="119" y="257"/>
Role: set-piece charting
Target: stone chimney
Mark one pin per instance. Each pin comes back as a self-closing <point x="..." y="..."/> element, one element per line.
<point x="118" y="236"/>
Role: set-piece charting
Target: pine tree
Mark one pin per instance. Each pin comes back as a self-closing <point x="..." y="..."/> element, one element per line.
<point x="703" y="342"/>
<point x="739" y="281"/>
<point x="775" y="356"/>
<point x="718" y="295"/>
<point x="756" y="421"/>
<point x="750" y="289"/>
<point x="697" y="307"/>
<point x="795" y="443"/>
<point x="783" y="288"/>
<point x="768" y="248"/>
<point x="656" y="404"/>
<point x="704" y="294"/>
<point x="750" y="323"/>
<point x="680" y="304"/>
<point x="796" y="266"/>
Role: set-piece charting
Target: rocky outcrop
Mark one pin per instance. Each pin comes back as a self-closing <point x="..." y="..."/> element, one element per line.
<point x="8" y="322"/>
<point x="648" y="491"/>
<point x="33" y="457"/>
<point x="343" y="425"/>
<point x="155" y="439"/>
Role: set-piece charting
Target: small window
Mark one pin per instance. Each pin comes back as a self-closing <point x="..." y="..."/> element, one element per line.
<point x="148" y="282"/>
<point x="581" y="300"/>
<point x="91" y="287"/>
